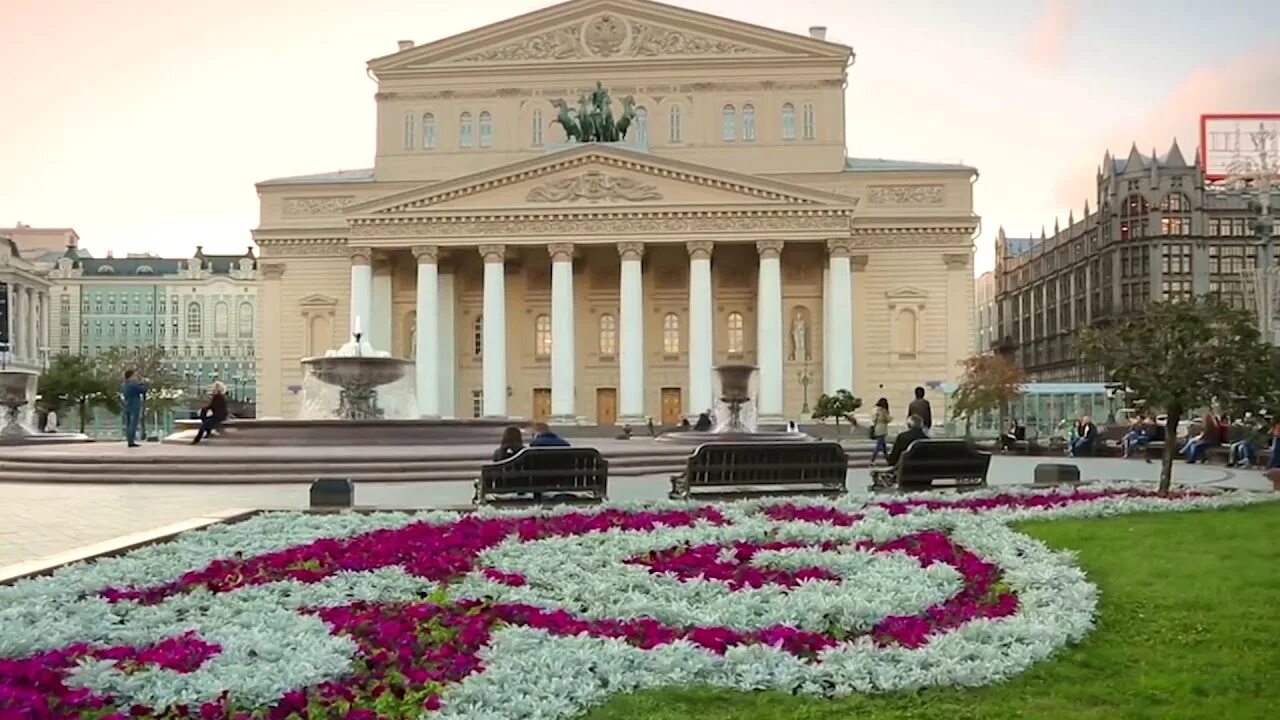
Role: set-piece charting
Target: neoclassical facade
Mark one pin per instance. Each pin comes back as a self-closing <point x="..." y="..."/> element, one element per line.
<point x="24" y="310"/>
<point x="537" y="277"/>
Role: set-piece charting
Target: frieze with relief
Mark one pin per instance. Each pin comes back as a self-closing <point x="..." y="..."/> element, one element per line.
<point x="912" y="240"/>
<point x="594" y="186"/>
<point x="656" y="91"/>
<point x="590" y="226"/>
<point x="328" y="205"/>
<point x="608" y="36"/>
<point x="905" y="195"/>
<point x="286" y="250"/>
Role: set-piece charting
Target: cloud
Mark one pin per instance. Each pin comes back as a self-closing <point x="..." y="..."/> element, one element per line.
<point x="1047" y="36"/>
<point x="1244" y="83"/>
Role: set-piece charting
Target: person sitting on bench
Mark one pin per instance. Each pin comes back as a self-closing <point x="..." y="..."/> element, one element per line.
<point x="1009" y="438"/>
<point x="1086" y="436"/>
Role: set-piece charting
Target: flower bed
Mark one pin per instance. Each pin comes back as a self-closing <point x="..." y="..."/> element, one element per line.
<point x="505" y="615"/>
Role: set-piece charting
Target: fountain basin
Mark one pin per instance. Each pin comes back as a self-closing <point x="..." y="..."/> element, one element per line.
<point x="17" y="392"/>
<point x="735" y="395"/>
<point x="280" y="431"/>
<point x="339" y="370"/>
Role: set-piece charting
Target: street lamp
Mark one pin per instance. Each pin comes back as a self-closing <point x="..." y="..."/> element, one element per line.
<point x="805" y="380"/>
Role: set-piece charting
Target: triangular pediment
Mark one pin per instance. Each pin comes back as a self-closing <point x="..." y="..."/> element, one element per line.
<point x="594" y="175"/>
<point x="595" y="31"/>
<point x="316" y="300"/>
<point x="907" y="293"/>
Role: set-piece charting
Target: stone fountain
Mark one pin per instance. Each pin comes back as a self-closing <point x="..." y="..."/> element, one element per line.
<point x="357" y="370"/>
<point x="17" y="397"/>
<point x="735" y="414"/>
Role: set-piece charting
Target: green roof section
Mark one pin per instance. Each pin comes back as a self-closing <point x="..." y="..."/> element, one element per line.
<point x="338" y="176"/>
<point x="871" y="165"/>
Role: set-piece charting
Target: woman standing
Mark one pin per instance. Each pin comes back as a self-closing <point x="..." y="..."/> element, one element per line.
<point x="880" y="429"/>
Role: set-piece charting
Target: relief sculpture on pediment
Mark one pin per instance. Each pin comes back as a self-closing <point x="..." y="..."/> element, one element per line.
<point x="653" y="41"/>
<point x="594" y="186"/>
<point x="562" y="43"/>
<point x="608" y="35"/>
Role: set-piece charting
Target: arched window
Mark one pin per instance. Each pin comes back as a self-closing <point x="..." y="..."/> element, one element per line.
<point x="608" y="335"/>
<point x="477" y="337"/>
<point x="905" y="329"/>
<point x="542" y="336"/>
<point x="428" y="131"/>
<point x="245" y="321"/>
<point x="537" y="128"/>
<point x="735" y="333"/>
<point x="788" y="122"/>
<point x="748" y="123"/>
<point x="810" y="122"/>
<point x="728" y="123"/>
<point x="410" y="131"/>
<point x="671" y="334"/>
<point x="642" y="125"/>
<point x="221" y="320"/>
<point x="466" y="131"/>
<point x="673" y="120"/>
<point x="193" y="320"/>
<point x="486" y="130"/>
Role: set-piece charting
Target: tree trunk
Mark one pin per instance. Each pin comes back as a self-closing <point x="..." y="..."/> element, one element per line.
<point x="1170" y="448"/>
<point x="968" y="432"/>
<point x="80" y="406"/>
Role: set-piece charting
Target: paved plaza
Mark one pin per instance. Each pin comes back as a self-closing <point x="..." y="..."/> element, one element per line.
<point x="40" y="519"/>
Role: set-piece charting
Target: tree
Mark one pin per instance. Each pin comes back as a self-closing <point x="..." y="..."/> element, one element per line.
<point x="1183" y="356"/>
<point x="842" y="404"/>
<point x="165" y="391"/>
<point x="77" y="381"/>
<point x="990" y="382"/>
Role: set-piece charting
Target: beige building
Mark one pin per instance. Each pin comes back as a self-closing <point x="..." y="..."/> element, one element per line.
<point x="601" y="282"/>
<point x="24" y="309"/>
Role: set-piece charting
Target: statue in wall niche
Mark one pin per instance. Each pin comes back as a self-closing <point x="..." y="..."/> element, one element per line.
<point x="799" y="338"/>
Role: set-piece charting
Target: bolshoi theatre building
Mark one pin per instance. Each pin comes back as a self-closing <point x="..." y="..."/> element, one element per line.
<point x="598" y="279"/>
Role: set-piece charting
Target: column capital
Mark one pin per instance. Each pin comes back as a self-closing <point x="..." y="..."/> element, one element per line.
<point x="631" y="250"/>
<point x="956" y="261"/>
<point x="493" y="253"/>
<point x="560" y="252"/>
<point x="361" y="256"/>
<point x="426" y="254"/>
<point x="769" y="248"/>
<point x="271" y="270"/>
<point x="839" y="247"/>
<point x="700" y="249"/>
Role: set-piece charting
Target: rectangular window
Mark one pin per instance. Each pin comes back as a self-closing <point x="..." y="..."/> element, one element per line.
<point x="477" y="403"/>
<point x="1212" y="227"/>
<point x="810" y="123"/>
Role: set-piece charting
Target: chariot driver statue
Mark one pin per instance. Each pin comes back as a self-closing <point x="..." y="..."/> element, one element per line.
<point x="592" y="120"/>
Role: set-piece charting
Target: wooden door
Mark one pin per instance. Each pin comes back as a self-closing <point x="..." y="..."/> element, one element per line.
<point x="606" y="406"/>
<point x="541" y="404"/>
<point x="671" y="406"/>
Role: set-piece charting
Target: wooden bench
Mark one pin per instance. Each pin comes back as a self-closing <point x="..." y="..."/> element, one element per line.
<point x="925" y="462"/>
<point x="761" y="469"/>
<point x="544" y="474"/>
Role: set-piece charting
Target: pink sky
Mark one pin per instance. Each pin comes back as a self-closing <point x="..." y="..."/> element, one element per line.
<point x="145" y="123"/>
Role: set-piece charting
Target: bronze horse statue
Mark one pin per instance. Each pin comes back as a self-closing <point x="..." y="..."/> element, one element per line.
<point x="628" y="116"/>
<point x="564" y="116"/>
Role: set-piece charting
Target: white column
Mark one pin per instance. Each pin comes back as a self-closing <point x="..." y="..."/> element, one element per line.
<point x="17" y="326"/>
<point x="827" y="380"/>
<point x="494" y="348"/>
<point x="840" y="305"/>
<point x="32" y="341"/>
<point x="769" y="339"/>
<point x="381" y="318"/>
<point x="427" y="331"/>
<point x="563" y="358"/>
<point x="701" y="396"/>
<point x="361" y="291"/>
<point x="448" y="361"/>
<point x="46" y="314"/>
<point x="631" y="407"/>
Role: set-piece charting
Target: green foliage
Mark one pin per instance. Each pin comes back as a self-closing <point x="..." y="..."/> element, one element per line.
<point x="77" y="381"/>
<point x="1183" y="356"/>
<point x="165" y="391"/>
<point x="840" y="405"/>
<point x="990" y="382"/>
<point x="1155" y="654"/>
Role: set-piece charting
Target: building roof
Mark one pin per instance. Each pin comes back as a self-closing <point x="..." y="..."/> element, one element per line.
<point x="885" y="165"/>
<point x="1019" y="245"/>
<point x="146" y="266"/>
<point x="337" y="176"/>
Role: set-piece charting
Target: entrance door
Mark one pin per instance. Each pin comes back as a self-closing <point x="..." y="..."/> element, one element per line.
<point x="606" y="406"/>
<point x="671" y="406"/>
<point x="541" y="404"/>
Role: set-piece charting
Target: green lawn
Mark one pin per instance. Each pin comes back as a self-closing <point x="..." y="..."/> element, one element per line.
<point x="1189" y="629"/>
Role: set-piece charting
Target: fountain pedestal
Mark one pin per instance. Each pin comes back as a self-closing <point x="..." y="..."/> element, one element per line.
<point x="735" y="415"/>
<point x="17" y="393"/>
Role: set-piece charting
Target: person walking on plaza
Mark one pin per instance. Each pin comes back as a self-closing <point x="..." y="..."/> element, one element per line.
<point x="880" y="430"/>
<point x="213" y="414"/>
<point x="132" y="391"/>
<point x="921" y="409"/>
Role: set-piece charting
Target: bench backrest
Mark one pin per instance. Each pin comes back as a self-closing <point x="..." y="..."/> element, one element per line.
<point x="762" y="463"/>
<point x="542" y="468"/>
<point x="943" y="458"/>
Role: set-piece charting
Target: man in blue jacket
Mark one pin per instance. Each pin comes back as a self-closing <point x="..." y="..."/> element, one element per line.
<point x="132" y="391"/>
<point x="543" y="436"/>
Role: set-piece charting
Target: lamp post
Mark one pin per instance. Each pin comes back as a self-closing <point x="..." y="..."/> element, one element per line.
<point x="805" y="380"/>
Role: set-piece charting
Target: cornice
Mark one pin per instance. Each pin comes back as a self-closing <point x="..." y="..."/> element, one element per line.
<point x="619" y="89"/>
